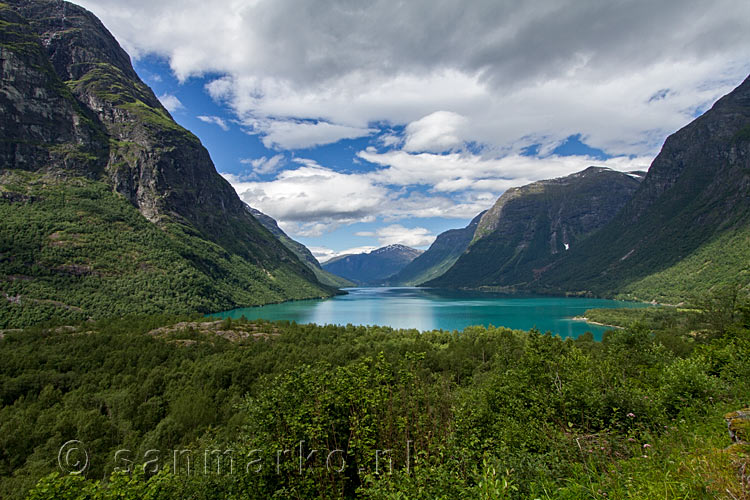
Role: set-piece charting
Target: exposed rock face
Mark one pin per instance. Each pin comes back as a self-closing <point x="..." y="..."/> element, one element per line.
<point x="72" y="105"/>
<point x="441" y="255"/>
<point x="110" y="124"/>
<point x="529" y="227"/>
<point x="697" y="189"/>
<point x="372" y="267"/>
<point x="42" y="123"/>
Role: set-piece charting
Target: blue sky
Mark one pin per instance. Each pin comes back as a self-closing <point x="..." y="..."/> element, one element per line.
<point x="363" y="124"/>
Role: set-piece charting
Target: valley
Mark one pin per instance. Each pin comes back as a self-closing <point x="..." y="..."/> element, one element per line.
<point x="449" y="281"/>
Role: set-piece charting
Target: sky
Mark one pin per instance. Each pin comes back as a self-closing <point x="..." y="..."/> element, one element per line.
<point x="357" y="124"/>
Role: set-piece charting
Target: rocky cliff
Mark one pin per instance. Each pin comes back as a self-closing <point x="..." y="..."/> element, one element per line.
<point x="75" y="111"/>
<point x="530" y="227"/>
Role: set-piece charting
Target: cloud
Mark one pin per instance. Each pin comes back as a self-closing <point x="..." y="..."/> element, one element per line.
<point x="324" y="254"/>
<point x="264" y="165"/>
<point x="456" y="172"/>
<point x="311" y="199"/>
<point x="436" y="132"/>
<point x="289" y="134"/>
<point x="398" y="234"/>
<point x="216" y="120"/>
<point x="519" y="72"/>
<point x="171" y="102"/>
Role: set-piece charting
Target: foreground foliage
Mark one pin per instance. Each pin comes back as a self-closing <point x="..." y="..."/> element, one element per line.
<point x="483" y="413"/>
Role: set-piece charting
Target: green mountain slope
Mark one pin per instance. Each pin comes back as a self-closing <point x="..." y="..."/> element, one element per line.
<point x="442" y="254"/>
<point x="73" y="111"/>
<point x="691" y="209"/>
<point x="373" y="267"/>
<point x="531" y="227"/>
<point x="301" y="251"/>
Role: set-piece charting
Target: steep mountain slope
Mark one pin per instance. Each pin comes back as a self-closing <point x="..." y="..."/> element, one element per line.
<point x="301" y="251"/>
<point x="372" y="267"/>
<point x="442" y="254"/>
<point x="80" y="131"/>
<point x="694" y="201"/>
<point x="530" y="227"/>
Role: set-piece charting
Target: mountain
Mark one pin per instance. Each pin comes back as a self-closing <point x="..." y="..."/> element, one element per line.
<point x="441" y="255"/>
<point x="687" y="227"/>
<point x="108" y="206"/>
<point x="301" y="251"/>
<point x="372" y="267"/>
<point x="530" y="227"/>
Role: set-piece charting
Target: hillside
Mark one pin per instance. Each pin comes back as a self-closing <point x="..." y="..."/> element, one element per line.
<point x="682" y="232"/>
<point x="86" y="148"/>
<point x="301" y="251"/>
<point x="437" y="259"/>
<point x="372" y="267"/>
<point x="531" y="227"/>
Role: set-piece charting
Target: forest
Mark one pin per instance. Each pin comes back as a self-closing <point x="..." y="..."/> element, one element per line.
<point x="254" y="409"/>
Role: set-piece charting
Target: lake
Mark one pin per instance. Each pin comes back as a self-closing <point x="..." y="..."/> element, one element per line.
<point x="429" y="309"/>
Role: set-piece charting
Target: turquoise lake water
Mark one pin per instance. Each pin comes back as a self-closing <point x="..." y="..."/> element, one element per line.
<point x="429" y="309"/>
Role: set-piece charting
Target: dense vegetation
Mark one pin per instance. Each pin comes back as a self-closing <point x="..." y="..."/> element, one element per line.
<point x="72" y="249"/>
<point x="725" y="259"/>
<point x="483" y="413"/>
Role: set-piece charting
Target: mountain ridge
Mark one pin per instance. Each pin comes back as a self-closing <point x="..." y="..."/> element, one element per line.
<point x="531" y="226"/>
<point x="75" y="113"/>
<point x="438" y="258"/>
<point x="697" y="190"/>
<point x="301" y="251"/>
<point x="373" y="267"/>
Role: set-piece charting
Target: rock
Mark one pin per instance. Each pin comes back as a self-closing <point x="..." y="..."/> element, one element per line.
<point x="532" y="226"/>
<point x="738" y="423"/>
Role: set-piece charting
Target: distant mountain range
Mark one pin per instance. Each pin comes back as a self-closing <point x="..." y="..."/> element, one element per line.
<point x="441" y="255"/>
<point x="373" y="267"/>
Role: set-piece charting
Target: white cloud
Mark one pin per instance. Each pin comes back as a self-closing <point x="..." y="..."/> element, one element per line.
<point x="312" y="199"/>
<point x="171" y="102"/>
<point x="287" y="134"/>
<point x="398" y="234"/>
<point x="216" y="120"/>
<point x="457" y="172"/>
<point x="324" y="254"/>
<point x="519" y="72"/>
<point x="264" y="165"/>
<point x="436" y="132"/>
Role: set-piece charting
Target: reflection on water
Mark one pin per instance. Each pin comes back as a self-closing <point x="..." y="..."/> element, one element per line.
<point x="431" y="308"/>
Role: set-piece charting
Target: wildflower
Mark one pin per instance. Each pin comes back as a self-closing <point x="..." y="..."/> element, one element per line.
<point x="646" y="446"/>
<point x="631" y="415"/>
